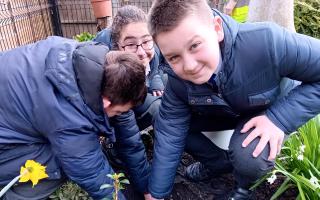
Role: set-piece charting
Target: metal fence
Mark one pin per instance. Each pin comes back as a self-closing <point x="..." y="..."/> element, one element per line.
<point x="143" y="4"/>
<point x="23" y="22"/>
<point x="76" y="16"/>
<point x="27" y="21"/>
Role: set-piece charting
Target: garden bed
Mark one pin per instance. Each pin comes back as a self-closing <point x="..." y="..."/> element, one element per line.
<point x="216" y="188"/>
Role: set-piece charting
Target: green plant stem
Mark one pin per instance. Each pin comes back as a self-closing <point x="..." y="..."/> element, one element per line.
<point x="116" y="189"/>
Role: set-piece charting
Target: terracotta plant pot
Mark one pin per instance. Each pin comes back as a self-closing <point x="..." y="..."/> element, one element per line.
<point x="102" y="8"/>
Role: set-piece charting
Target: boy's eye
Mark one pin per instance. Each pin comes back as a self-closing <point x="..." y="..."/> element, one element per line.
<point x="146" y="41"/>
<point x="195" y="45"/>
<point x="173" y="59"/>
<point x="130" y="45"/>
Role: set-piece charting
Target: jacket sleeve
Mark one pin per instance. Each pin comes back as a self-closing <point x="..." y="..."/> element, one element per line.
<point x="297" y="57"/>
<point x="131" y="149"/>
<point x="156" y="74"/>
<point x="171" y="129"/>
<point x="104" y="37"/>
<point x="156" y="82"/>
<point x="79" y="153"/>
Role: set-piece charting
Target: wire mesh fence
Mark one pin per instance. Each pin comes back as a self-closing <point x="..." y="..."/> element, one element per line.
<point x="27" y="21"/>
<point x="76" y="16"/>
<point x="23" y="22"/>
<point x="143" y="4"/>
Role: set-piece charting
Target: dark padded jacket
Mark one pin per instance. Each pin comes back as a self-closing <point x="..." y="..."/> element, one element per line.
<point x="51" y="104"/>
<point x="255" y="59"/>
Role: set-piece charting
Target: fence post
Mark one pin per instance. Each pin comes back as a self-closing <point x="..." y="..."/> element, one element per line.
<point x="56" y="23"/>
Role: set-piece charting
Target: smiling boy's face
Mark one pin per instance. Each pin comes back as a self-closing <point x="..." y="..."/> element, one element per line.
<point x="192" y="48"/>
<point x="136" y="34"/>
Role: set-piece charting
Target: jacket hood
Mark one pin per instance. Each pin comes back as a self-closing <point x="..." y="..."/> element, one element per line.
<point x="88" y="60"/>
<point x="76" y="70"/>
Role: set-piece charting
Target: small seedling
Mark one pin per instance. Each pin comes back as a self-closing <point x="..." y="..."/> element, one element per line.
<point x="118" y="184"/>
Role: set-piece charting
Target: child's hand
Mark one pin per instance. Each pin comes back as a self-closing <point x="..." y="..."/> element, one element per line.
<point x="157" y="93"/>
<point x="149" y="197"/>
<point x="268" y="133"/>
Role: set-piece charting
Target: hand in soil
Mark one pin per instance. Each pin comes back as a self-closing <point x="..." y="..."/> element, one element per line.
<point x="149" y="197"/>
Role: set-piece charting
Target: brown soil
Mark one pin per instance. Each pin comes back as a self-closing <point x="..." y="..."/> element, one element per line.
<point x="217" y="188"/>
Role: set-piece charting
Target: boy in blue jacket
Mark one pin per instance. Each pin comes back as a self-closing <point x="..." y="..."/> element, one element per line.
<point x="129" y="32"/>
<point x="225" y="75"/>
<point x="57" y="97"/>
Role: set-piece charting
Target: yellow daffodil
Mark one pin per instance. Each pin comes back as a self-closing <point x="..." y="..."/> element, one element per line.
<point x="32" y="171"/>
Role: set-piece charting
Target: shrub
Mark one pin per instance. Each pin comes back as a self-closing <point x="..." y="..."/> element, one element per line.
<point x="307" y="17"/>
<point x="85" y="36"/>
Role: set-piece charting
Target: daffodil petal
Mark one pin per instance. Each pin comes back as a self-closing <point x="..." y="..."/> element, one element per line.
<point x="33" y="171"/>
<point x="25" y="175"/>
<point x="34" y="180"/>
<point x="30" y="163"/>
<point x="42" y="175"/>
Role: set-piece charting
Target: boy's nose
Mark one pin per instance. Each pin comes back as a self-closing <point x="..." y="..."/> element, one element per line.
<point x="190" y="64"/>
<point x="140" y="51"/>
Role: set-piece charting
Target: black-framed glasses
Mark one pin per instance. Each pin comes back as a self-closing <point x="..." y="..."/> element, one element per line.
<point x="146" y="45"/>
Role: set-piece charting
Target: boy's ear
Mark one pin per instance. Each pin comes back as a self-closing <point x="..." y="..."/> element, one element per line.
<point x="217" y="22"/>
<point x="106" y="102"/>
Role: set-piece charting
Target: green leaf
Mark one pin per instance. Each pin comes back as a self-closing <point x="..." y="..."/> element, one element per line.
<point x="125" y="181"/>
<point x="104" y="186"/>
<point x="110" y="176"/>
<point x="121" y="175"/>
<point x="284" y="186"/>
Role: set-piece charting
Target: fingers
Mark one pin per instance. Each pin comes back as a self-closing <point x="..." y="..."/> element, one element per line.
<point x="157" y="93"/>
<point x="280" y="144"/>
<point x="268" y="133"/>
<point x="255" y="133"/>
<point x="261" y="145"/>
<point x="264" y="140"/>
<point x="279" y="147"/>
<point x="147" y="196"/>
<point x="250" y="124"/>
<point x="273" y="149"/>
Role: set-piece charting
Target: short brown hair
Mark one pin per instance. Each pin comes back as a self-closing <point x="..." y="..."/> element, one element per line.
<point x="165" y="15"/>
<point x="126" y="15"/>
<point x="124" y="79"/>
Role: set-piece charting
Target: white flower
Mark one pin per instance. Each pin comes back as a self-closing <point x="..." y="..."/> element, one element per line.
<point x="283" y="158"/>
<point x="314" y="181"/>
<point x="302" y="147"/>
<point x="271" y="179"/>
<point x="300" y="157"/>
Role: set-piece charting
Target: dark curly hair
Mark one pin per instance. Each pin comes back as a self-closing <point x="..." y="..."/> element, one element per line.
<point x="125" y="15"/>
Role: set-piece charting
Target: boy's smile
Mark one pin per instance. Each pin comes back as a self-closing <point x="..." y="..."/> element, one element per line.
<point x="192" y="48"/>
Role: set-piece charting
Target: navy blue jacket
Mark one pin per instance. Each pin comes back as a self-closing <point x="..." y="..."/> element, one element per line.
<point x="154" y="77"/>
<point x="255" y="59"/>
<point x="51" y="103"/>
